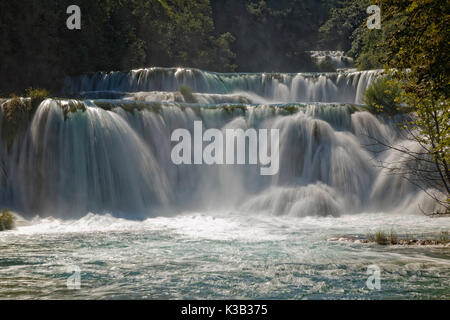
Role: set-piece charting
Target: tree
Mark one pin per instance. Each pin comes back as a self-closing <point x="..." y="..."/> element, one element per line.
<point x="416" y="56"/>
<point x="182" y="33"/>
<point x="344" y="28"/>
<point x="272" y="35"/>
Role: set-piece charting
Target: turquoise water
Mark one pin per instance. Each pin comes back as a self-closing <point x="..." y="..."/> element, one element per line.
<point x="223" y="255"/>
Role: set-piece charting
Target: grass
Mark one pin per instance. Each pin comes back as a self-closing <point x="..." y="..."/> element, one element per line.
<point x="6" y="220"/>
<point x="391" y="238"/>
<point x="381" y="238"/>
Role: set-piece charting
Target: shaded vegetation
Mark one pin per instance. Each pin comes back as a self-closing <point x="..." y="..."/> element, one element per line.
<point x="6" y="220"/>
<point x="17" y="113"/>
<point x="187" y="94"/>
<point x="272" y="35"/>
<point x="37" y="96"/>
<point x="37" y="49"/>
<point x="326" y="66"/>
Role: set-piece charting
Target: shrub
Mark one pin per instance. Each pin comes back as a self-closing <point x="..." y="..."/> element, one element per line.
<point x="16" y="115"/>
<point x="187" y="93"/>
<point x="326" y="66"/>
<point x="37" y="96"/>
<point x="6" y="220"/>
<point x="383" y="96"/>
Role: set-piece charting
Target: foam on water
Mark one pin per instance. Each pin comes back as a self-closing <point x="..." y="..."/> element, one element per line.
<point x="166" y="231"/>
<point x="119" y="161"/>
<point x="225" y="255"/>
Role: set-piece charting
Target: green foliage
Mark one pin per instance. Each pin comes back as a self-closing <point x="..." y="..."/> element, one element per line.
<point x="326" y="66"/>
<point x="37" y="96"/>
<point x="383" y="96"/>
<point x="272" y="35"/>
<point x="344" y="27"/>
<point x="17" y="113"/>
<point x="346" y="30"/>
<point x="6" y="220"/>
<point x="37" y="50"/>
<point x="416" y="55"/>
<point x="181" y="33"/>
<point x="187" y="94"/>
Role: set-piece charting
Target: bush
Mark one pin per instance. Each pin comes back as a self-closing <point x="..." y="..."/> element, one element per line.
<point x="368" y="61"/>
<point x="383" y="96"/>
<point x="16" y="115"/>
<point x="326" y="66"/>
<point x="187" y="93"/>
<point x="6" y="220"/>
<point x="37" y="96"/>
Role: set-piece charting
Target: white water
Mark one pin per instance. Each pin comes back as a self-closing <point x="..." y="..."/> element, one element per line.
<point x="343" y="87"/>
<point x="118" y="161"/>
<point x="337" y="58"/>
<point x="166" y="231"/>
<point x="220" y="256"/>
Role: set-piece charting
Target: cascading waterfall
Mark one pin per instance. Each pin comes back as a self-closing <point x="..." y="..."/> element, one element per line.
<point x="343" y="87"/>
<point x="337" y="58"/>
<point x="113" y="153"/>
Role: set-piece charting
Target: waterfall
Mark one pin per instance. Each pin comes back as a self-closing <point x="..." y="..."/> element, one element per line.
<point x="341" y="87"/>
<point x="337" y="58"/>
<point x="115" y="156"/>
